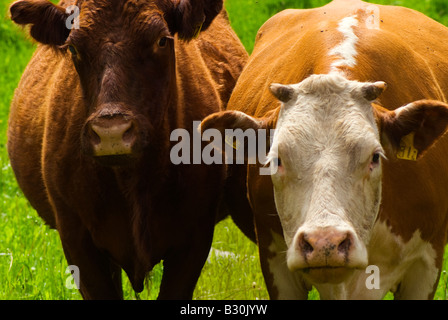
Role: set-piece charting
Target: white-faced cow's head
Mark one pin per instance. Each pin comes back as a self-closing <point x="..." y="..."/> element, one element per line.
<point x="328" y="147"/>
<point x="328" y="184"/>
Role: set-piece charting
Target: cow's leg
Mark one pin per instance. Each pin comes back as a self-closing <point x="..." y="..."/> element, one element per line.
<point x="282" y="284"/>
<point x="100" y="278"/>
<point x="183" y="266"/>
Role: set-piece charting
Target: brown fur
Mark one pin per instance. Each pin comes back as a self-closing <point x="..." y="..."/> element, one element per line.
<point x="144" y="210"/>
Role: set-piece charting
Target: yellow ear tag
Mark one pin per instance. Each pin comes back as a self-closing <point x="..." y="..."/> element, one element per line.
<point x="235" y="144"/>
<point x="407" y="150"/>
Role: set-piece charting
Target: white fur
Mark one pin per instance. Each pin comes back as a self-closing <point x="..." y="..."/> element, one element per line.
<point x="410" y="266"/>
<point x="346" y="51"/>
<point x="290" y="285"/>
<point x="398" y="111"/>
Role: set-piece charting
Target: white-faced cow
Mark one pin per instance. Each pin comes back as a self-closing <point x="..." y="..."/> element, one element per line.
<point x="89" y="134"/>
<point x="361" y="163"/>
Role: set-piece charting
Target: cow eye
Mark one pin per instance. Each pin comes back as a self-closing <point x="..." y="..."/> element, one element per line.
<point x="375" y="161"/>
<point x="73" y="50"/>
<point x="163" y="42"/>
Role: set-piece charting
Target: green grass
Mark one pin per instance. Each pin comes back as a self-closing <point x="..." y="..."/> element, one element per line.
<point x="32" y="265"/>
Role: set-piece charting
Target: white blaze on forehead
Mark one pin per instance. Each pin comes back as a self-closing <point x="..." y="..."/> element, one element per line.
<point x="346" y="50"/>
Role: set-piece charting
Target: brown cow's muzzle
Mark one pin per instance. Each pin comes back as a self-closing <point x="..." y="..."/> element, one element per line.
<point x="112" y="136"/>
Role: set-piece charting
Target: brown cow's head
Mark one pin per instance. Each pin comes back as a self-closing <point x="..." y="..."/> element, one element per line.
<point x="123" y="51"/>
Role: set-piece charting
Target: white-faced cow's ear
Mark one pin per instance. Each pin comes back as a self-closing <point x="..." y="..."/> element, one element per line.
<point x="411" y="130"/>
<point x="284" y="93"/>
<point x="238" y="131"/>
<point x="230" y="120"/>
<point x="373" y="91"/>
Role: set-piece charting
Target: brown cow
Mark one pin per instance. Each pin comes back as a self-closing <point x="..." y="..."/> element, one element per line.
<point x="357" y="204"/>
<point x="89" y="134"/>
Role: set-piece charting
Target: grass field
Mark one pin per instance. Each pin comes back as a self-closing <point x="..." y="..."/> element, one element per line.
<point x="32" y="265"/>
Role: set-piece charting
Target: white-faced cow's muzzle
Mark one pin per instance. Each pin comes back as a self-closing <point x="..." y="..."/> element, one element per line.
<point x="327" y="253"/>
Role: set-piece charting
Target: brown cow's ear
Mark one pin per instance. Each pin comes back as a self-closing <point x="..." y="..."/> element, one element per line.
<point x="189" y="17"/>
<point x="48" y="21"/>
<point x="411" y="130"/>
<point x="240" y="132"/>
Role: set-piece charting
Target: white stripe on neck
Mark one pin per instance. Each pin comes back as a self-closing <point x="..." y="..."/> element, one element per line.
<point x="345" y="51"/>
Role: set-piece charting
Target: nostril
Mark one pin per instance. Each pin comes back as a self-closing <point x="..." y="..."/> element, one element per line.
<point x="112" y="136"/>
<point x="304" y="246"/>
<point x="94" y="137"/>
<point x="344" y="246"/>
<point x="128" y="135"/>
